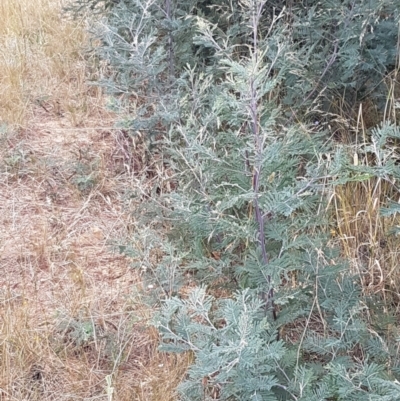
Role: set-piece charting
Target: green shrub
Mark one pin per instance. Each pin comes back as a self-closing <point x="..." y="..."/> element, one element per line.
<point x="234" y="96"/>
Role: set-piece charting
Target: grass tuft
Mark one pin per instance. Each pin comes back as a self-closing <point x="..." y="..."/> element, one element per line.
<point x="364" y="233"/>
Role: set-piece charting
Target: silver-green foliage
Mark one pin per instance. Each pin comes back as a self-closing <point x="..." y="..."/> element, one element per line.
<point x="223" y="83"/>
<point x="238" y="357"/>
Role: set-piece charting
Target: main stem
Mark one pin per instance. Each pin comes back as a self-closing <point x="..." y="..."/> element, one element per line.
<point x="255" y="127"/>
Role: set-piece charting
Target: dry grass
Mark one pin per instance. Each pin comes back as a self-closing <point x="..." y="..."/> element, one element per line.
<point x="72" y="323"/>
<point x="363" y="232"/>
<point x="41" y="62"/>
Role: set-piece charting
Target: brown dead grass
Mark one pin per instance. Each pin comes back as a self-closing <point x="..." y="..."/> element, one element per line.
<point x="72" y="324"/>
<point x="363" y="233"/>
<point x="365" y="236"/>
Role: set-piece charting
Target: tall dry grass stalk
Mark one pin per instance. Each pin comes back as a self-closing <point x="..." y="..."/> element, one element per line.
<point x="363" y="232"/>
<point x="71" y="326"/>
